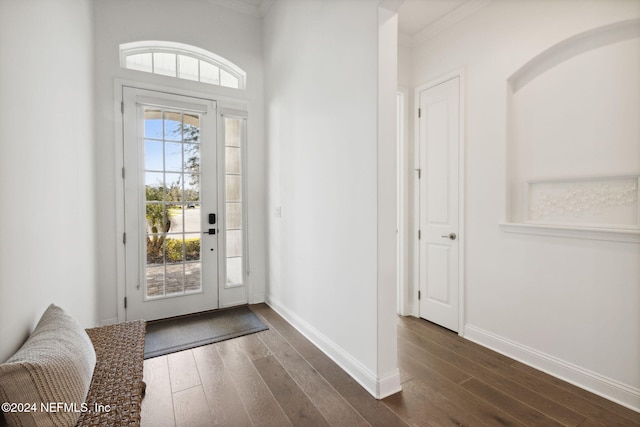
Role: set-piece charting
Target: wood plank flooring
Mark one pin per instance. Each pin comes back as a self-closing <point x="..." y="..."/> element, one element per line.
<point x="279" y="378"/>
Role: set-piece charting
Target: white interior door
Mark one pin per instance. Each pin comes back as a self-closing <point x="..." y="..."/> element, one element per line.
<point x="439" y="118"/>
<point x="171" y="204"/>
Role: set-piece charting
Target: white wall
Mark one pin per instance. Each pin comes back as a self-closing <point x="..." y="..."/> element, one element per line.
<point x="407" y="175"/>
<point x="387" y="363"/>
<point x="321" y="89"/>
<point x="405" y="62"/>
<point x="47" y="231"/>
<point x="569" y="306"/>
<point x="578" y="118"/>
<point x="232" y="35"/>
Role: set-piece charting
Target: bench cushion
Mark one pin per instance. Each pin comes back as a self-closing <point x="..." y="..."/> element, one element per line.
<point x="117" y="389"/>
<point x="53" y="367"/>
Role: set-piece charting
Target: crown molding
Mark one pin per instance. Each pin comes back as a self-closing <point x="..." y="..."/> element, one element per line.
<point x="258" y="10"/>
<point x="446" y="21"/>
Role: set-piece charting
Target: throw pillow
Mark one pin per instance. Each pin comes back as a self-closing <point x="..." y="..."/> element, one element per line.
<point x="46" y="381"/>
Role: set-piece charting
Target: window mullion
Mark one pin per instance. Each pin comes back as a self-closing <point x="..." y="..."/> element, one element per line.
<point x="234" y="77"/>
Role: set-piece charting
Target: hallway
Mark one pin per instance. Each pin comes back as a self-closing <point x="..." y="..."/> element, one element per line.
<point x="278" y="378"/>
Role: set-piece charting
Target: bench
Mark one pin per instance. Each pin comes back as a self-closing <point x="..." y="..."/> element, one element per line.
<point x="116" y="390"/>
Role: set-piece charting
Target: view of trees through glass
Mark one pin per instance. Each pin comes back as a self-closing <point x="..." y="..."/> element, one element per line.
<point x="172" y="202"/>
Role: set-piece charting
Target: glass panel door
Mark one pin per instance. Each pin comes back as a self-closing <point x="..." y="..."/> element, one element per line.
<point x="171" y="188"/>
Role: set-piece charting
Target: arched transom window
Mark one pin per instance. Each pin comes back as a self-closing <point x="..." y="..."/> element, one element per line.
<point x="181" y="61"/>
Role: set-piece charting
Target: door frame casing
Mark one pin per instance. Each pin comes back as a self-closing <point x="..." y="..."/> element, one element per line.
<point x="460" y="74"/>
<point x="119" y="205"/>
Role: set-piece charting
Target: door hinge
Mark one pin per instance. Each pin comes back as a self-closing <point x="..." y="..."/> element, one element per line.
<point x="419" y="295"/>
<point x="419" y="112"/>
<point x="124" y="238"/>
<point x="122" y="107"/>
<point x="419" y="172"/>
<point x="125" y="302"/>
<point x="123" y="173"/>
<point x="419" y="234"/>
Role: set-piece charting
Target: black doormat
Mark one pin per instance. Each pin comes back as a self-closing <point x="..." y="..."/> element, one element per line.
<point x="185" y="332"/>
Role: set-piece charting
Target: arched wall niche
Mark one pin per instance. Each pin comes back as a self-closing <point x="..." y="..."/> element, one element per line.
<point x="573" y="147"/>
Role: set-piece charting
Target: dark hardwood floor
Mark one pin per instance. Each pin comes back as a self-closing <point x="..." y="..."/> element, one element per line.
<point x="278" y="378"/>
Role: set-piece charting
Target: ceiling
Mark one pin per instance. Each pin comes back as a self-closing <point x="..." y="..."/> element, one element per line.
<point x="417" y="19"/>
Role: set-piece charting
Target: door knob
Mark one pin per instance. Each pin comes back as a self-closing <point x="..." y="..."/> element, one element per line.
<point x="451" y="236"/>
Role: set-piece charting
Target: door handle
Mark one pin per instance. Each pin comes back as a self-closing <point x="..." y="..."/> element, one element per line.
<point x="451" y="236"/>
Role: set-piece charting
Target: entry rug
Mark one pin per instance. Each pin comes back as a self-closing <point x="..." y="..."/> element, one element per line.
<point x="185" y="332"/>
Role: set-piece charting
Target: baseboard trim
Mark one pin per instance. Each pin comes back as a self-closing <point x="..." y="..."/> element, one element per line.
<point x="608" y="388"/>
<point x="389" y="384"/>
<point x="377" y="387"/>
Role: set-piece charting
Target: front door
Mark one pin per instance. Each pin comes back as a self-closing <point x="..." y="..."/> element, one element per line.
<point x="171" y="204"/>
<point x="439" y="119"/>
